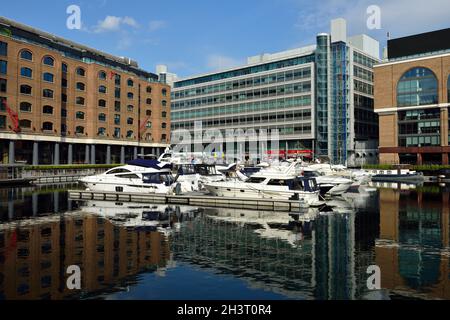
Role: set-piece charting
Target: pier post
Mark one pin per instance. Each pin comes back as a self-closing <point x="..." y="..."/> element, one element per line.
<point x="56" y="154"/>
<point x="35" y="153"/>
<point x="93" y="154"/>
<point x="70" y="154"/>
<point x="108" y="154"/>
<point x="122" y="154"/>
<point x="11" y="154"/>
<point x="86" y="154"/>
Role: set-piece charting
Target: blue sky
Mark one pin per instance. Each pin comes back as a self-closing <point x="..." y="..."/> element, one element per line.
<point x="197" y="36"/>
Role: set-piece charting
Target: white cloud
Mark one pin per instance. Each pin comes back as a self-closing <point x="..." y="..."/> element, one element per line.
<point x="113" y="23"/>
<point x="156" y="25"/>
<point x="218" y="62"/>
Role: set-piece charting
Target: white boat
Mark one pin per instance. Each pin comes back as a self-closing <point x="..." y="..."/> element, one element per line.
<point x="329" y="184"/>
<point x="138" y="176"/>
<point x="193" y="176"/>
<point x="396" y="175"/>
<point x="269" y="185"/>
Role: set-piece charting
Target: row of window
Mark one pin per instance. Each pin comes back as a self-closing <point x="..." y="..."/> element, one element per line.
<point x="246" y="83"/>
<point x="250" y="107"/>
<point x="297" y="129"/>
<point x="296" y="88"/>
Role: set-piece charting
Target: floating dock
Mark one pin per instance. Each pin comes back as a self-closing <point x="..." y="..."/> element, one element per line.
<point x="191" y="200"/>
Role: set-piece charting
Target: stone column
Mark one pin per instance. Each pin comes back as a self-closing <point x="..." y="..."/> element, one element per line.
<point x="56" y="155"/>
<point x="108" y="154"/>
<point x="122" y="154"/>
<point x="445" y="158"/>
<point x="12" y="152"/>
<point x="143" y="151"/>
<point x="86" y="158"/>
<point x="419" y="159"/>
<point x="135" y="152"/>
<point x="35" y="153"/>
<point x="93" y="154"/>
<point x="70" y="153"/>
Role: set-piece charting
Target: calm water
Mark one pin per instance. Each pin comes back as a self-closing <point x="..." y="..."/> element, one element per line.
<point x="134" y="251"/>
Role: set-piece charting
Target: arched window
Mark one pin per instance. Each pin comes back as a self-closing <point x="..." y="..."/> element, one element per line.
<point x="102" y="89"/>
<point x="63" y="128"/>
<point x="81" y="86"/>
<point x="49" y="77"/>
<point x="64" y="68"/>
<point x="130" y="108"/>
<point x="130" y="134"/>
<point x="148" y="112"/>
<point x="25" y="106"/>
<point x="26" y="72"/>
<point x="79" y="101"/>
<point x="102" y="117"/>
<point x="79" y="130"/>
<point x="26" y="55"/>
<point x="130" y="95"/>
<point x="101" y="132"/>
<point x="130" y="121"/>
<point x="102" y="75"/>
<point x="149" y="125"/>
<point x="47" y="110"/>
<point x="79" y="115"/>
<point x="130" y="83"/>
<point x="164" y="114"/>
<point x="47" y="93"/>
<point x="164" y="92"/>
<point x="81" y="72"/>
<point x="25" y="89"/>
<point x="49" y="61"/>
<point x="102" y="103"/>
<point x="47" y="126"/>
<point x="149" y="89"/>
<point x="164" y="103"/>
<point x="418" y="86"/>
<point x="163" y="125"/>
<point x="25" y="124"/>
<point x="149" y="101"/>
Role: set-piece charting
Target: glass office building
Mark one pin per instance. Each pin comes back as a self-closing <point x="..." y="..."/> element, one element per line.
<point x="319" y="98"/>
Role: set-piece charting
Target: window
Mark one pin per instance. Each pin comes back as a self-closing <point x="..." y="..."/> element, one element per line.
<point x="130" y="95"/>
<point x="63" y="97"/>
<point x="81" y="72"/>
<point x="3" y="67"/>
<point x="25" y="107"/>
<point x="79" y="130"/>
<point x="117" y="80"/>
<point x="79" y="115"/>
<point x="101" y="132"/>
<point x="164" y="92"/>
<point x="130" y="134"/>
<point x="25" y="89"/>
<point x="64" y="83"/>
<point x="130" y="121"/>
<point x="79" y="101"/>
<point x="48" y="77"/>
<point x="148" y="113"/>
<point x="102" y="89"/>
<point x="26" y="72"/>
<point x="164" y="114"/>
<point x="102" y="103"/>
<point x="130" y="108"/>
<point x="26" y="55"/>
<point x="164" y="103"/>
<point x="2" y="122"/>
<point x="117" y="119"/>
<point x="116" y="133"/>
<point x="47" y="110"/>
<point x="149" y="101"/>
<point x="63" y="128"/>
<point x="102" y="75"/>
<point x="130" y="83"/>
<point x="26" y="124"/>
<point x="80" y="86"/>
<point x="49" y="61"/>
<point x="63" y="113"/>
<point x="47" y="93"/>
<point x="64" y="68"/>
<point x="117" y="93"/>
<point x="47" y="126"/>
<point x="148" y="125"/>
<point x="149" y="89"/>
<point x="417" y="87"/>
<point x="3" y="48"/>
<point x="163" y="137"/>
<point x="102" y="117"/>
<point x="163" y="125"/>
<point x="3" y="83"/>
<point x="117" y="106"/>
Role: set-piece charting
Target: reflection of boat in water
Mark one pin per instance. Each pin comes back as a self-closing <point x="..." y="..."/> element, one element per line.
<point x="399" y="175"/>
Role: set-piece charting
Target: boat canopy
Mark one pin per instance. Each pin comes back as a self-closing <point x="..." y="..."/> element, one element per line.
<point x="154" y="164"/>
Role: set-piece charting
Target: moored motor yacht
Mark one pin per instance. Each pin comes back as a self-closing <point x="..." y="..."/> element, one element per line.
<point x="138" y="176"/>
<point x="329" y="185"/>
<point x="269" y="185"/>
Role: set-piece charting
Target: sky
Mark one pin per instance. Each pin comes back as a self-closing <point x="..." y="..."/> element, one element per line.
<point x="197" y="36"/>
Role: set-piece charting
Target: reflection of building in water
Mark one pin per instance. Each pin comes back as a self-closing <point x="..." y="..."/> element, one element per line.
<point x="323" y="266"/>
<point x="414" y="260"/>
<point x="34" y="257"/>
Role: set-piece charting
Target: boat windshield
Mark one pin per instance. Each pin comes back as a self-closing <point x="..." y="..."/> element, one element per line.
<point x="206" y="170"/>
<point x="158" y="178"/>
<point x="255" y="180"/>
